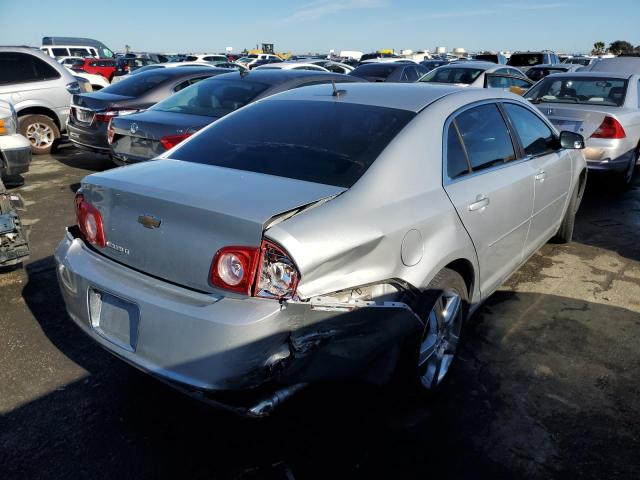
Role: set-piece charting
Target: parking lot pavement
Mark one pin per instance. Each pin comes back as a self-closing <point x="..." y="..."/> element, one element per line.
<point x="547" y="385"/>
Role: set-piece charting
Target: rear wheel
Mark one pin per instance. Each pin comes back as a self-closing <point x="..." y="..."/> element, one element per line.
<point x="443" y="309"/>
<point x="565" y="232"/>
<point x="626" y="178"/>
<point x="41" y="131"/>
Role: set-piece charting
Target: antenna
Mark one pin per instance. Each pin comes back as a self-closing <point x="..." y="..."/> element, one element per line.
<point x="336" y="92"/>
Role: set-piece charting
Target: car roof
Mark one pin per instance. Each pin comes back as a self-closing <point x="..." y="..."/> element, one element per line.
<point x="590" y="74"/>
<point x="629" y="65"/>
<point x="183" y="72"/>
<point x="279" y="75"/>
<point x="473" y="64"/>
<point x="413" y="97"/>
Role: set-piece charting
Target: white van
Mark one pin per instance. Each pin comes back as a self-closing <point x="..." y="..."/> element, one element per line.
<point x="57" y="51"/>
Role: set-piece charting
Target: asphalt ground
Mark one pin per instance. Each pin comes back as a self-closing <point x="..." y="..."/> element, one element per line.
<point x="547" y="384"/>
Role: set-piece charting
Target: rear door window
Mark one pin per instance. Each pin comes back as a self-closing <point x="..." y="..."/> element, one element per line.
<point x="457" y="164"/>
<point x="16" y="67"/>
<point x="536" y="137"/>
<point x="485" y="136"/>
<point x="334" y="146"/>
<point x="60" y="52"/>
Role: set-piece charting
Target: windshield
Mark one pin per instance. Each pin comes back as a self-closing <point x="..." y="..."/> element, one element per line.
<point x="536" y="74"/>
<point x="380" y="70"/>
<point x="212" y="98"/>
<point x="488" y="58"/>
<point x="578" y="61"/>
<point x="525" y="59"/>
<point x="136" y="85"/>
<point x="584" y="90"/>
<point x="465" y="76"/>
<point x="324" y="142"/>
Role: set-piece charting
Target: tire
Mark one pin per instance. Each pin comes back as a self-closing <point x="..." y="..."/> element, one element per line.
<point x="426" y="360"/>
<point x="41" y="131"/>
<point x="626" y="179"/>
<point x="565" y="232"/>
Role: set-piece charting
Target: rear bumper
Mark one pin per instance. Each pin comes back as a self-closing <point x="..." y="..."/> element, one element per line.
<point x="15" y="155"/>
<point x="608" y="159"/>
<point x="91" y="138"/>
<point x="214" y="343"/>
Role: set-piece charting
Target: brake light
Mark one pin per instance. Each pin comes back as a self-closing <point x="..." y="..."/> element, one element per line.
<point x="171" y="141"/>
<point x="109" y="114"/>
<point x="110" y="132"/>
<point x="278" y="276"/>
<point x="234" y="268"/>
<point x="90" y="222"/>
<point x="609" y="128"/>
<point x="266" y="272"/>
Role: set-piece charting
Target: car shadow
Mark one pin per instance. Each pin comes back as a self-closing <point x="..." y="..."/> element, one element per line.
<point x="74" y="157"/>
<point x="534" y="396"/>
<point x="609" y="217"/>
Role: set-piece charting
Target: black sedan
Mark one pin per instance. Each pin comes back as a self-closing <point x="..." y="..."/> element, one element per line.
<point x="91" y="112"/>
<point x="142" y="136"/>
<point x="396" y="72"/>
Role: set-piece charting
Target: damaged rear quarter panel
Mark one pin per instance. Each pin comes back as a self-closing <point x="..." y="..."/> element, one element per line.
<point x="356" y="238"/>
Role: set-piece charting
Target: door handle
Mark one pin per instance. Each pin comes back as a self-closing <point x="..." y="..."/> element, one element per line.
<point x="480" y="203"/>
<point x="541" y="175"/>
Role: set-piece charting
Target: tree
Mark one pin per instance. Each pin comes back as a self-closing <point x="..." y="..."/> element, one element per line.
<point x="620" y="46"/>
<point x="598" y="48"/>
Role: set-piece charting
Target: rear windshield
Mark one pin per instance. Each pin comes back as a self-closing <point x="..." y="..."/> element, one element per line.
<point x="465" y="76"/>
<point x="578" y="61"/>
<point x="488" y="58"/>
<point x="525" y="59"/>
<point x="212" y="98"/>
<point x="323" y="142"/>
<point x="584" y="90"/>
<point x="374" y="70"/>
<point x="136" y="85"/>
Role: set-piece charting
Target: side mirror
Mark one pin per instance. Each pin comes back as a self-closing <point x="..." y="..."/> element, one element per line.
<point x="571" y="140"/>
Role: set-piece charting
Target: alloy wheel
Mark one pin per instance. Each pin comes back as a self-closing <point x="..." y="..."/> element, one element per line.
<point x="440" y="339"/>
<point x="40" y="135"/>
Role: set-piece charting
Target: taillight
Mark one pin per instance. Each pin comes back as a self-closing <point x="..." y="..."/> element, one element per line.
<point x="277" y="274"/>
<point x="109" y="114"/>
<point x="90" y="222"/>
<point x="171" y="141"/>
<point x="262" y="272"/>
<point x="609" y="128"/>
<point x="110" y="132"/>
<point x="234" y="268"/>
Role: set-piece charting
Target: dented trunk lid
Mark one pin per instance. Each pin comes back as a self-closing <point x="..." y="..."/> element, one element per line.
<point x="582" y="119"/>
<point x="190" y="210"/>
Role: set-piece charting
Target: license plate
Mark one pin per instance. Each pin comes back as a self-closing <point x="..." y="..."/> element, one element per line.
<point x="114" y="318"/>
<point x="570" y="125"/>
<point x="6" y="223"/>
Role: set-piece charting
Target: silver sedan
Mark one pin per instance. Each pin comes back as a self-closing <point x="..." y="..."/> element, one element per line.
<point x="318" y="234"/>
<point x="603" y="107"/>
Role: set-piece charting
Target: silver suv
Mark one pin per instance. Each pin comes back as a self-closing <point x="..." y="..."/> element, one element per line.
<point x="40" y="90"/>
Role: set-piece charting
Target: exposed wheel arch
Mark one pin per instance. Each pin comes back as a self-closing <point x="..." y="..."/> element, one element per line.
<point x="41" y="111"/>
<point x="465" y="269"/>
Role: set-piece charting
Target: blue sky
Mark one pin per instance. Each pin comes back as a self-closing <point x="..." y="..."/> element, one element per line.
<point x="304" y="26"/>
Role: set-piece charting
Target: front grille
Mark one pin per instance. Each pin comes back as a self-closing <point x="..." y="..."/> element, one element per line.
<point x="83" y="115"/>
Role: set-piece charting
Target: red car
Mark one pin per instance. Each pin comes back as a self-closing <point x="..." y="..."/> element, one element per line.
<point x="99" y="66"/>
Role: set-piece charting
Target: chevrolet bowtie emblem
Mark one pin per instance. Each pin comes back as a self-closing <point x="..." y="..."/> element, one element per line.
<point x="149" y="221"/>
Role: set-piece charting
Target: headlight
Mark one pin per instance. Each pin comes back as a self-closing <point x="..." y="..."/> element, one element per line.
<point x="9" y="124"/>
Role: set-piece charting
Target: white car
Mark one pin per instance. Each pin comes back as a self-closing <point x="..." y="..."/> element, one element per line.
<point x="97" y="82"/>
<point x="388" y="60"/>
<point x="206" y="57"/>
<point x="249" y="60"/>
<point x="332" y="66"/>
<point x="15" y="149"/>
<point x="292" y="66"/>
<point x="68" y="61"/>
